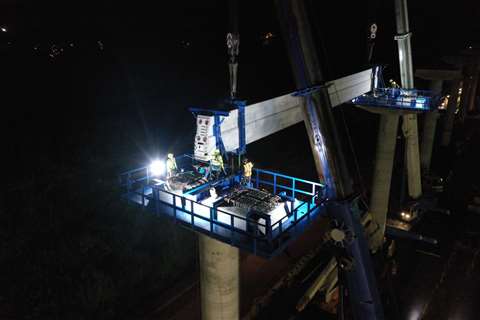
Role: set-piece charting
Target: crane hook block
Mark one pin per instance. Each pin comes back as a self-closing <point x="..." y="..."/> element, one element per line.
<point x="233" y="44"/>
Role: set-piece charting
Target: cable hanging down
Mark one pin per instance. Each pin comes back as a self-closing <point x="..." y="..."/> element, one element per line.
<point x="233" y="44"/>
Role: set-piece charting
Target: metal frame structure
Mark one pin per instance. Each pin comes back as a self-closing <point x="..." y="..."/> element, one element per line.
<point x="242" y="138"/>
<point x="260" y="238"/>
<point x="398" y="99"/>
<point x="328" y="155"/>
<point x="217" y="130"/>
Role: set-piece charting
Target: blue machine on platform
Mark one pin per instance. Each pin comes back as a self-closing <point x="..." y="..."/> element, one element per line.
<point x="218" y="117"/>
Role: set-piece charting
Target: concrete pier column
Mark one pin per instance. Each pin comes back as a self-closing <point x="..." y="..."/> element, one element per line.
<point x="467" y="86"/>
<point x="473" y="93"/>
<point x="382" y="176"/>
<point x="428" y="139"/>
<point x="410" y="131"/>
<point x="429" y="129"/>
<point x="410" y="125"/>
<point x="219" y="279"/>
<point x="450" y="116"/>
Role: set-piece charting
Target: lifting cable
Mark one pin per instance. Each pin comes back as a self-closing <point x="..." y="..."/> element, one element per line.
<point x="372" y="32"/>
<point x="233" y="43"/>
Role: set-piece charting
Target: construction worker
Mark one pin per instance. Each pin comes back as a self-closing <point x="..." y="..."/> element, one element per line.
<point x="247" y="172"/>
<point x="395" y="89"/>
<point x="393" y="84"/>
<point x="171" y="165"/>
<point x="216" y="164"/>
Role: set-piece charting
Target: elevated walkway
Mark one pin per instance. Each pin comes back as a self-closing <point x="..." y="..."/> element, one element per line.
<point x="265" y="235"/>
<point x="397" y="100"/>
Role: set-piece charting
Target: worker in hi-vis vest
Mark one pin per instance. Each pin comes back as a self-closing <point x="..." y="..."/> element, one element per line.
<point x="216" y="164"/>
<point x="247" y="171"/>
<point x="171" y="165"/>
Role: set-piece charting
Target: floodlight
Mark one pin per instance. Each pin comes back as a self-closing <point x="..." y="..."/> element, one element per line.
<point x="157" y="168"/>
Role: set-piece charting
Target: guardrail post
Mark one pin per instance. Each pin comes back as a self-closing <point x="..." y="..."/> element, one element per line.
<point x="211" y="219"/>
<point x="268" y="229"/>
<point x="192" y="219"/>
<point x="295" y="216"/>
<point x="309" y="204"/>
<point x="274" y="184"/>
<point x="174" y="207"/>
<point x="231" y="228"/>
<point x="156" y="196"/>
<point x="293" y="188"/>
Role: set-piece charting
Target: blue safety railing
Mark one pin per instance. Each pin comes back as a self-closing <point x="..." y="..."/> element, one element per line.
<point x="276" y="181"/>
<point x="259" y="236"/>
<point x="398" y="98"/>
<point x="142" y="175"/>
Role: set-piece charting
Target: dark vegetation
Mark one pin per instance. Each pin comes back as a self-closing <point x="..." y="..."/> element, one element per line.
<point x="69" y="254"/>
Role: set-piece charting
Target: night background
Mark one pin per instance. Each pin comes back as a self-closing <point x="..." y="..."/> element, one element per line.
<point x="91" y="89"/>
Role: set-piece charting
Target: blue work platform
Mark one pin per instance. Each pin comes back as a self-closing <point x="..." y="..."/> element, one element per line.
<point x="398" y="99"/>
<point x="258" y="236"/>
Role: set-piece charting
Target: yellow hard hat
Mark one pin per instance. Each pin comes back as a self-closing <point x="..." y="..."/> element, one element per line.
<point x="170" y="155"/>
<point x="216" y="151"/>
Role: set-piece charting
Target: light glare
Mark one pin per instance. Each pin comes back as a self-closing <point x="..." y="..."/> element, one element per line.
<point x="157" y="168"/>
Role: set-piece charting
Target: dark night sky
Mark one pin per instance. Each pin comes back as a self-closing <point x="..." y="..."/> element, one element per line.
<point x="154" y="25"/>
<point x="158" y="59"/>
<point x="439" y="27"/>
